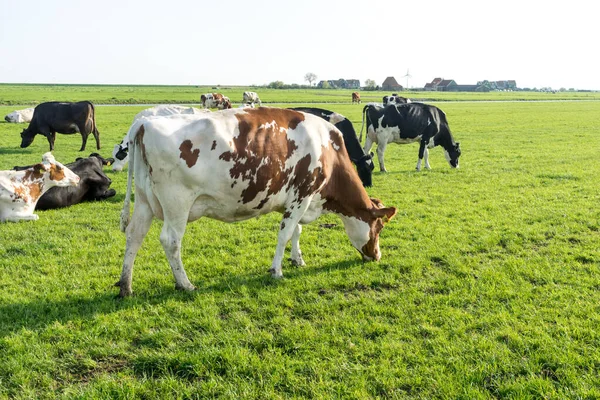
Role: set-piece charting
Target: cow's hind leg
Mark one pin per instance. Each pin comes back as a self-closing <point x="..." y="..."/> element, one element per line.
<point x="289" y="228"/>
<point x="170" y="238"/>
<point x="296" y="255"/>
<point x="423" y="156"/>
<point x="96" y="136"/>
<point x="380" y="154"/>
<point x="136" y="231"/>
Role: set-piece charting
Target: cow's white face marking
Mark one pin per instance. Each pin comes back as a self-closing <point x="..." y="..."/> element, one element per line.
<point x="358" y="232"/>
<point x="449" y="159"/>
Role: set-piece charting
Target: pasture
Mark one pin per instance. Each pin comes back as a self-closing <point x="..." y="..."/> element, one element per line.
<point x="488" y="286"/>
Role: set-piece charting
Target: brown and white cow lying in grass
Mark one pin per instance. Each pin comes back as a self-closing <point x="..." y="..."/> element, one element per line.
<point x="21" y="190"/>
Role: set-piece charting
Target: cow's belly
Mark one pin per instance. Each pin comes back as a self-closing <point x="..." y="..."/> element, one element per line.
<point x="229" y="209"/>
<point x="392" y="134"/>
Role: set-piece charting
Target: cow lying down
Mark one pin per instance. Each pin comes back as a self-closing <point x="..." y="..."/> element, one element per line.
<point x="20" y="191"/>
<point x="93" y="184"/>
<point x="20" y="116"/>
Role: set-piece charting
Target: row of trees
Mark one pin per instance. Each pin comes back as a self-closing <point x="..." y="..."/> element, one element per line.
<point x="311" y="77"/>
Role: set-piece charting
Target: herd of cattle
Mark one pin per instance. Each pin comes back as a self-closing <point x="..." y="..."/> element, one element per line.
<point x="229" y="165"/>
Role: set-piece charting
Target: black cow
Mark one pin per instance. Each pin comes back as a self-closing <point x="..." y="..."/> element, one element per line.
<point x="407" y="123"/>
<point x="93" y="184"/>
<point x="68" y="118"/>
<point x="395" y="99"/>
<point x="363" y="161"/>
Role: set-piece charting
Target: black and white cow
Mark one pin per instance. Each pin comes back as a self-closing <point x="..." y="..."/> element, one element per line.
<point x="407" y="123"/>
<point x="395" y="99"/>
<point x="363" y="161"/>
<point x="62" y="117"/>
<point x="93" y="184"/>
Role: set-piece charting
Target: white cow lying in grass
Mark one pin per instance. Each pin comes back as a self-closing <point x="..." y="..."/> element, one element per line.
<point x="21" y="190"/>
<point x="20" y="116"/>
<point x="121" y="150"/>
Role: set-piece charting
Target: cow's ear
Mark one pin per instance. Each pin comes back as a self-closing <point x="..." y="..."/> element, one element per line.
<point x="380" y="211"/>
<point x="40" y="168"/>
<point x="385" y="213"/>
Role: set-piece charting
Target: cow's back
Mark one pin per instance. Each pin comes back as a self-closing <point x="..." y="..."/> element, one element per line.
<point x="233" y="164"/>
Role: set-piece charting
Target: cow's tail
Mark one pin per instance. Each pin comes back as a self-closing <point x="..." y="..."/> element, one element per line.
<point x="363" y="122"/>
<point x="132" y="135"/>
<point x="91" y="124"/>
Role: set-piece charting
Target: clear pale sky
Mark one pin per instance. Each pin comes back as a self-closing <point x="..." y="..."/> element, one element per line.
<point x="232" y="42"/>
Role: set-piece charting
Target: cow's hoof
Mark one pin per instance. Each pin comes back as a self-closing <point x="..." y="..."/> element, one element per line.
<point x="297" y="263"/>
<point x="275" y="274"/>
<point x="187" y="288"/>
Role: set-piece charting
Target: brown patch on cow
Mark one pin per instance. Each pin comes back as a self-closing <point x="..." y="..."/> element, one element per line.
<point x="57" y="173"/>
<point x="306" y="182"/>
<point x="261" y="150"/>
<point x="344" y="192"/>
<point x="34" y="173"/>
<point x="214" y="145"/>
<point x="139" y="139"/>
<point x="190" y="157"/>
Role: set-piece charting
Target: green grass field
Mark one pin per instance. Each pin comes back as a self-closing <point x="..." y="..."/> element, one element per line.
<point x="488" y="286"/>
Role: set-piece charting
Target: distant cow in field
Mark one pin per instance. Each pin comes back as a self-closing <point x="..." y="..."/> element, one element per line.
<point x="250" y="98"/>
<point x="215" y="100"/>
<point x="395" y="99"/>
<point x="121" y="150"/>
<point x="239" y="164"/>
<point x="21" y="190"/>
<point x="93" y="184"/>
<point x="407" y="123"/>
<point x="364" y="162"/>
<point x="20" y="116"/>
<point x="68" y="118"/>
<point x="355" y="98"/>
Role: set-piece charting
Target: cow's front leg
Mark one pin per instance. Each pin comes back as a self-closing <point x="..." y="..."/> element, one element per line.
<point x="289" y="227"/>
<point x="51" y="136"/>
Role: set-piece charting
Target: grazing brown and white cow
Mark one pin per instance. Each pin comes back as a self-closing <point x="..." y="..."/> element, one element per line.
<point x="120" y="151"/>
<point x="62" y="117"/>
<point x="250" y="98"/>
<point x="21" y="190"/>
<point x="215" y="100"/>
<point x="20" y="116"/>
<point x="355" y="97"/>
<point x="237" y="164"/>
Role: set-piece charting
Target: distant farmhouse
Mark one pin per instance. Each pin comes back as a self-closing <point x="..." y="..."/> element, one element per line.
<point x="341" y="84"/>
<point x="391" y="84"/>
<point x="449" y="85"/>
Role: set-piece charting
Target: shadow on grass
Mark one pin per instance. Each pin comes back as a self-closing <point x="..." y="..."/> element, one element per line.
<point x="39" y="313"/>
<point x="16" y="149"/>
